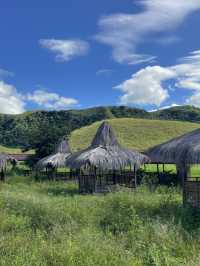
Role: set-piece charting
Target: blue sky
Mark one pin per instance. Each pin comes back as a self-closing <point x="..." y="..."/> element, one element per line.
<point x="78" y="54"/>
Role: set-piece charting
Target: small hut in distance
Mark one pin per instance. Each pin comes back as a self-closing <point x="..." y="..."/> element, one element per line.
<point x="105" y="163"/>
<point x="55" y="160"/>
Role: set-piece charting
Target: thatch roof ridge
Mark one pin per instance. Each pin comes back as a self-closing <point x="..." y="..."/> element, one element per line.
<point x="106" y="153"/>
<point x="105" y="136"/>
<point x="63" y="147"/>
<point x="183" y="149"/>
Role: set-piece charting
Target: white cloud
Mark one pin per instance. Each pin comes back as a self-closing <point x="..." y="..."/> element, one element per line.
<point x="65" y="50"/>
<point x="147" y="86"/>
<point x="165" y="107"/>
<point x="11" y="101"/>
<point x="51" y="100"/>
<point x="123" y="32"/>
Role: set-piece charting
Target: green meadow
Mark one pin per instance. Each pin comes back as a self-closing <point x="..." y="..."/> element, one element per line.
<point x="45" y="223"/>
<point x="49" y="223"/>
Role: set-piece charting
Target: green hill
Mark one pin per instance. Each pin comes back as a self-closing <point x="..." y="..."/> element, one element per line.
<point x="20" y="130"/>
<point x="134" y="133"/>
<point x="181" y="113"/>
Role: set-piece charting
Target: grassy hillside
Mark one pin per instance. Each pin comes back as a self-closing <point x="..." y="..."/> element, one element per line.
<point x="134" y="133"/>
<point x="13" y="150"/>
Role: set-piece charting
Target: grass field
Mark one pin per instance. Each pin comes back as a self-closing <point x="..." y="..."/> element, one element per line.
<point x="134" y="133"/>
<point x="50" y="224"/>
<point x="13" y="150"/>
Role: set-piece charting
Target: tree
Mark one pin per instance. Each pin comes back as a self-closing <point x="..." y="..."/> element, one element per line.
<point x="44" y="140"/>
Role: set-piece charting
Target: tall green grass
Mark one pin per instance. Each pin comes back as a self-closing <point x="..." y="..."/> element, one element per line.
<point x="50" y="224"/>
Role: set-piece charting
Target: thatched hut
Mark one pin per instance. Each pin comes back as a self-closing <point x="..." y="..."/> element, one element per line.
<point x="105" y="162"/>
<point x="4" y="159"/>
<point x="55" y="160"/>
<point x="184" y="151"/>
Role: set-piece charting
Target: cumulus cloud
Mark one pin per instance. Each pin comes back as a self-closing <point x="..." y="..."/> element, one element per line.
<point x="123" y="32"/>
<point x="51" y="100"/>
<point x="65" y="50"/>
<point x="165" y="107"/>
<point x="145" y="87"/>
<point x="11" y="101"/>
<point x="148" y="86"/>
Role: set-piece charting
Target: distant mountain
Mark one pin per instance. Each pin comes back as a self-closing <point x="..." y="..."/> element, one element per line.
<point x="16" y="130"/>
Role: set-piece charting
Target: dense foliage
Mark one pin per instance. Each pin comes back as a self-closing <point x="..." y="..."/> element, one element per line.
<point x="19" y="130"/>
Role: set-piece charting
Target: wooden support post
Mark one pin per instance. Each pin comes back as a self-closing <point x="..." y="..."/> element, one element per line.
<point x="163" y="167"/>
<point x="135" y="176"/>
<point x="95" y="184"/>
<point x="158" y="173"/>
<point x="114" y="177"/>
<point x="158" y="169"/>
<point x="2" y="174"/>
<point x="183" y="171"/>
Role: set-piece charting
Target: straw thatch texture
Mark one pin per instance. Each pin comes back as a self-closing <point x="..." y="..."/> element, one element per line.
<point x="4" y="159"/>
<point x="105" y="153"/>
<point x="58" y="159"/>
<point x="183" y="150"/>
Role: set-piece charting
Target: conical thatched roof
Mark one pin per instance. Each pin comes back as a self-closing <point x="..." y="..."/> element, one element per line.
<point x="63" y="147"/>
<point x="105" y="153"/>
<point x="58" y="158"/>
<point x="181" y="150"/>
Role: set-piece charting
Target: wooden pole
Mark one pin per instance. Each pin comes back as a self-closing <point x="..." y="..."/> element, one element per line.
<point x="2" y="175"/>
<point x="135" y="176"/>
<point x="158" y="169"/>
<point x="183" y="172"/>
<point x="114" y="177"/>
